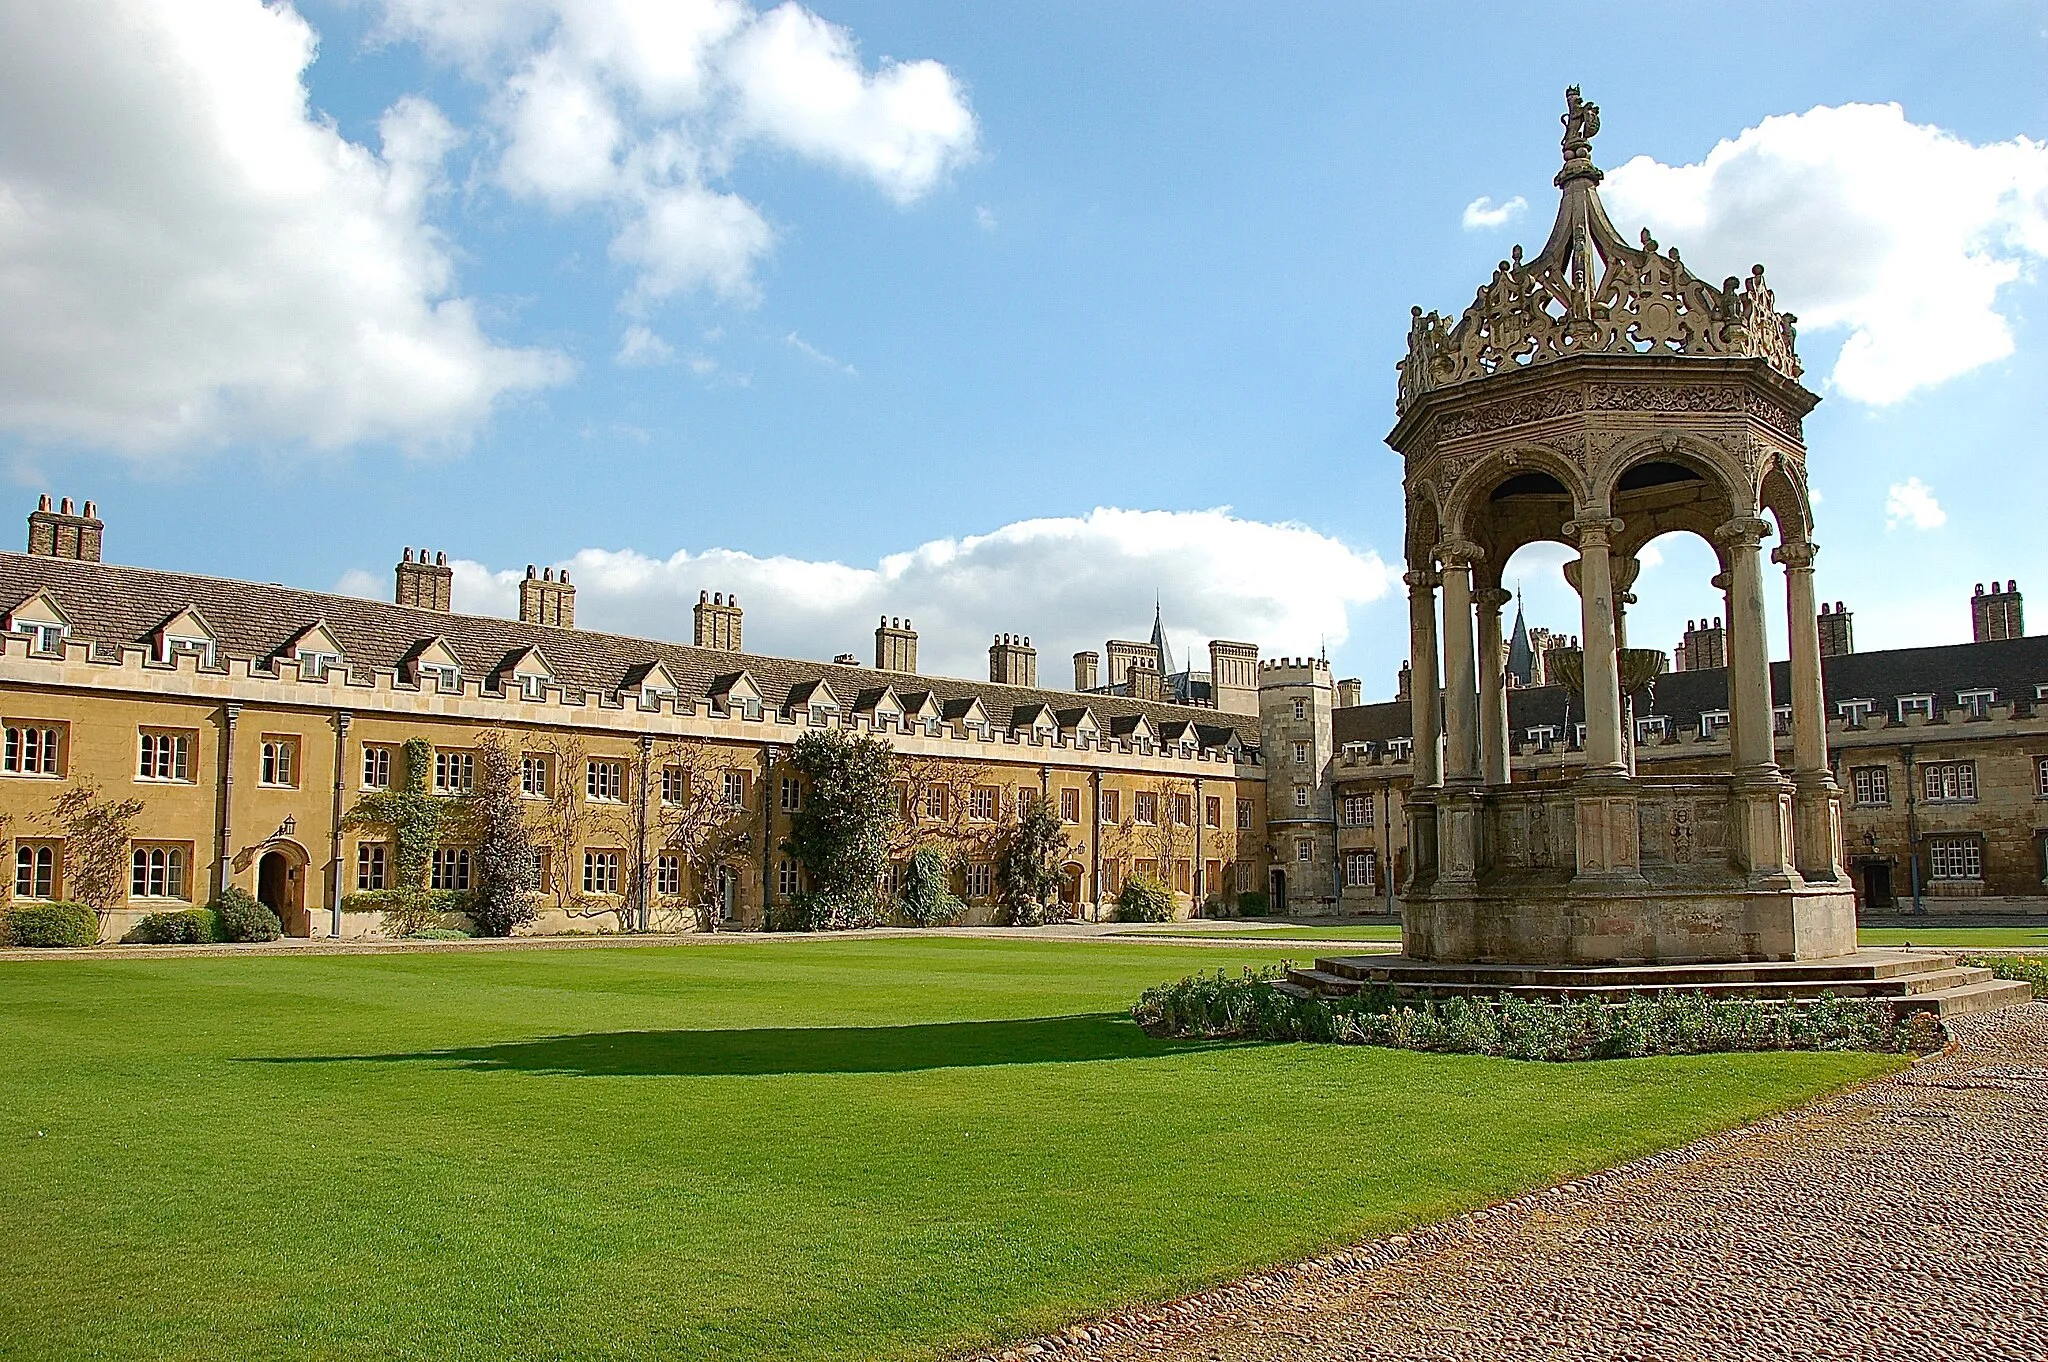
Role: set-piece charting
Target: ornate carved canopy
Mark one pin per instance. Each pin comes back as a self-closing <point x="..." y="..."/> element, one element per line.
<point x="1588" y="292"/>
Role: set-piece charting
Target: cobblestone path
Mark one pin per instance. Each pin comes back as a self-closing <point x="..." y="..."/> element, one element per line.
<point x="1907" y="1219"/>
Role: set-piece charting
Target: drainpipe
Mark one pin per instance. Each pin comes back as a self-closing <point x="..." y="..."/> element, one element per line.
<point x="230" y="715"/>
<point x="640" y="850"/>
<point x="341" y="727"/>
<point x="1387" y="843"/>
<point x="1912" y="829"/>
<point x="1336" y="852"/>
<point x="1095" y="842"/>
<point x="767" y="833"/>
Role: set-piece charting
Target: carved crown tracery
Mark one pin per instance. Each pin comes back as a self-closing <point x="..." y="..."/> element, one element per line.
<point x="1588" y="292"/>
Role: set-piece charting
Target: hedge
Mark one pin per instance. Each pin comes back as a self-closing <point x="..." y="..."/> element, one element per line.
<point x="180" y="927"/>
<point x="242" y="918"/>
<point x="52" y="924"/>
<point x="1144" y="898"/>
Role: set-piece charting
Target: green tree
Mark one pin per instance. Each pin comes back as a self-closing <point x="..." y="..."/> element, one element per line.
<point x="414" y="820"/>
<point x="841" y="835"/>
<point x="506" y="879"/>
<point x="926" y="899"/>
<point x="1028" y="870"/>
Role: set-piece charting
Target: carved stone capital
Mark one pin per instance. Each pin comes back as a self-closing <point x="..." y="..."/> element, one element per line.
<point x="1592" y="532"/>
<point x="1797" y="557"/>
<point x="1492" y="599"/>
<point x="1744" y="532"/>
<point x="1459" y="553"/>
<point x="1422" y="579"/>
<point x="1720" y="581"/>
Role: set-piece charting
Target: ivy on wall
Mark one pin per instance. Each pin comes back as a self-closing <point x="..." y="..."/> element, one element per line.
<point x="414" y="821"/>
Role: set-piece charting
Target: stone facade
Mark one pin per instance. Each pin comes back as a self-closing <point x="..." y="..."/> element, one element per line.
<point x="247" y="719"/>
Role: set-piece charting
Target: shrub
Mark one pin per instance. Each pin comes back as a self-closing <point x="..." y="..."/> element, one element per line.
<point x="1144" y="898"/>
<point x="1252" y="903"/>
<point x="926" y="901"/>
<point x="1250" y="1006"/>
<point x="53" y="924"/>
<point x="181" y="927"/>
<point x="242" y="918"/>
<point x="438" y="934"/>
<point x="2032" y="968"/>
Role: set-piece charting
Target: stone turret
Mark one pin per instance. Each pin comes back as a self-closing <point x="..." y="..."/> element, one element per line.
<point x="1296" y="696"/>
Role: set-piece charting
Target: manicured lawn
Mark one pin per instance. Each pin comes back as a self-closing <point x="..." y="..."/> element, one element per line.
<point x="818" y="1150"/>
<point x="1387" y="932"/>
<point x="1973" y="938"/>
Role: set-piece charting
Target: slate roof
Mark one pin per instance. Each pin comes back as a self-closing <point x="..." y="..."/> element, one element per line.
<point x="114" y="605"/>
<point x="2011" y="668"/>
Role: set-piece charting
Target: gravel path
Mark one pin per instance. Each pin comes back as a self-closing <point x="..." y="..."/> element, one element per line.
<point x="1905" y="1219"/>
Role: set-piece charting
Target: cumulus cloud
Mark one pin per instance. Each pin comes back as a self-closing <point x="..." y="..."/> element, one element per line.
<point x="812" y="352"/>
<point x="191" y="256"/>
<point x="1482" y="213"/>
<point x="640" y="346"/>
<point x="1912" y="503"/>
<point x="1069" y="582"/>
<point x="641" y="109"/>
<point x="1899" y="235"/>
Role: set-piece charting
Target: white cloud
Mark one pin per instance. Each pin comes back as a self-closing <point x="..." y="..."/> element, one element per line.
<point x="191" y="256"/>
<point x="810" y="351"/>
<point x="1912" y="503"/>
<point x="1899" y="234"/>
<point x="985" y="218"/>
<point x="1482" y="213"/>
<point x="641" y="109"/>
<point x="1069" y="582"/>
<point x="640" y="346"/>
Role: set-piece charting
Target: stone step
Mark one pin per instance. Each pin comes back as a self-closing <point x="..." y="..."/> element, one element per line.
<point x="1321" y="984"/>
<point x="1967" y="999"/>
<point x="1864" y="968"/>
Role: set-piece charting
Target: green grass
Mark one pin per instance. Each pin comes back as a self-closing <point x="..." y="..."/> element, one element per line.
<point x="817" y="1150"/>
<point x="1972" y="938"/>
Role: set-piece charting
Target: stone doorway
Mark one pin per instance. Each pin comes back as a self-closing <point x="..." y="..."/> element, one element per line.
<point x="1070" y="890"/>
<point x="1278" y="907"/>
<point x="1877" y="887"/>
<point x="281" y="887"/>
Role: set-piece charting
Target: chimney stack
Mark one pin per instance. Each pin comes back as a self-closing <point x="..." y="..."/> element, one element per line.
<point x="1350" y="693"/>
<point x="1012" y="661"/>
<point x="425" y="585"/>
<point x="1087" y="671"/>
<point x="546" y="599"/>
<point x="1996" y="614"/>
<point x="1837" y="631"/>
<point x="1704" y="647"/>
<point x="1403" y="681"/>
<point x="895" y="646"/>
<point x="718" y="622"/>
<point x="63" y="533"/>
<point x="1141" y="678"/>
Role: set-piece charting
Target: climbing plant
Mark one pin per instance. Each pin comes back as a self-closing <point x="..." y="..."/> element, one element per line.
<point x="507" y="880"/>
<point x="841" y="835"/>
<point x="96" y="829"/>
<point x="1028" y="870"/>
<point x="414" y="820"/>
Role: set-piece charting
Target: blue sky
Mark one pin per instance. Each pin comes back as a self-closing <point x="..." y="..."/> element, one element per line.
<point x="995" y="342"/>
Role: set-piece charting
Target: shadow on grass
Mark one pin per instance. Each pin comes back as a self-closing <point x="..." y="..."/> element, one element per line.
<point x="805" y="1050"/>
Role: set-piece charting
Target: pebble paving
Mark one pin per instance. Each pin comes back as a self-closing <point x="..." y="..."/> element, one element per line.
<point x="1907" y="1219"/>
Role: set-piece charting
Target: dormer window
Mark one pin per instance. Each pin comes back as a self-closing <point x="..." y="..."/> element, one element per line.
<point x="1713" y="721"/>
<point x="1856" y="713"/>
<point x="42" y="638"/>
<point x="1978" y="702"/>
<point x="1400" y="748"/>
<point x="187" y="645"/>
<point x="819" y="713"/>
<point x="444" y="678"/>
<point x="1543" y="735"/>
<point x="1652" y="728"/>
<point x="314" y="664"/>
<point x="1781" y="720"/>
<point x="1922" y="705"/>
<point x="532" y="685"/>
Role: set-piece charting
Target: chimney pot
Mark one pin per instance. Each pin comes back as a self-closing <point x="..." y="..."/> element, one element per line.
<point x="440" y="560"/>
<point x="65" y="506"/>
<point x="43" y="503"/>
<point x="565" y="575"/>
<point x="91" y="511"/>
<point x="408" y="555"/>
<point x="2012" y="584"/>
<point x="529" y="572"/>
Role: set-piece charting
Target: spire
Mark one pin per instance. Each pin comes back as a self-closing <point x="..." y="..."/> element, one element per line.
<point x="1159" y="640"/>
<point x="1521" y="657"/>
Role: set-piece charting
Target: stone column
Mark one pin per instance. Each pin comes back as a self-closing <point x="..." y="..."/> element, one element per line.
<point x="1816" y="834"/>
<point x="1493" y="688"/>
<point x="1749" y="665"/>
<point x="1602" y="666"/>
<point x="1425" y="755"/>
<point x="1422" y="678"/>
<point x="1763" y="832"/>
<point x="1461" y="681"/>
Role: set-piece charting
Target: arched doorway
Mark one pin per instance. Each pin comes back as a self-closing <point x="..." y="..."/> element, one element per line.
<point x="1278" y="907"/>
<point x="1070" y="890"/>
<point x="281" y="887"/>
<point x="728" y="893"/>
